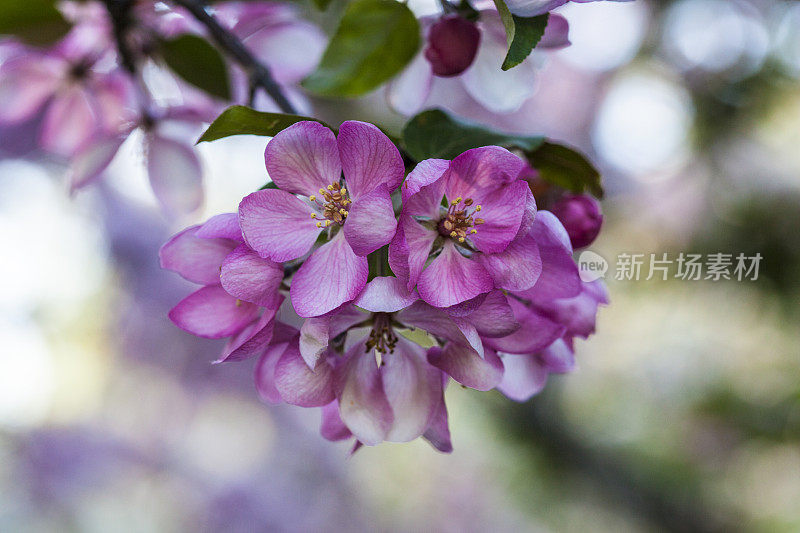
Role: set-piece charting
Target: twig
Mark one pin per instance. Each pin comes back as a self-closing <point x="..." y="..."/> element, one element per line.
<point x="259" y="74"/>
<point x="120" y="13"/>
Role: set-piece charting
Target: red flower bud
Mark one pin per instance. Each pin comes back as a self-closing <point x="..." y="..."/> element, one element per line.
<point x="452" y="45"/>
<point x="581" y="217"/>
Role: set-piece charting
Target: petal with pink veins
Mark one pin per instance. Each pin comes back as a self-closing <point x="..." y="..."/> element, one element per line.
<point x="369" y="159"/>
<point x="516" y="268"/>
<point x="451" y="278"/>
<point x="299" y="385"/>
<point x="250" y="341"/>
<point x="559" y="277"/>
<point x="409" y="250"/>
<point x="277" y="224"/>
<point x="467" y="367"/>
<point x="247" y="276"/>
<point x="331" y="426"/>
<point x="197" y="260"/>
<point x="536" y="332"/>
<point x="303" y="158"/>
<point x="413" y="388"/>
<point x="222" y="226"/>
<point x="370" y="222"/>
<point x="212" y="313"/>
<point x="363" y="405"/>
<point x="331" y="276"/>
<point x="385" y="294"/>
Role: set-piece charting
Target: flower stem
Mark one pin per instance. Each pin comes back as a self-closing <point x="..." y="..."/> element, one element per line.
<point x="225" y="39"/>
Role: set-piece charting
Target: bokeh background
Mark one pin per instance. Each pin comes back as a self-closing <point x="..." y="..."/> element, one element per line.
<point x="683" y="416"/>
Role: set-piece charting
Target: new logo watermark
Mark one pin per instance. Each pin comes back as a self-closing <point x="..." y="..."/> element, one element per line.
<point x="684" y="266"/>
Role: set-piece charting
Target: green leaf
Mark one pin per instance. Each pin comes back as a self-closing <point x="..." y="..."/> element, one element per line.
<point x="561" y="165"/>
<point x="435" y="134"/>
<point x="322" y="5"/>
<point x="241" y="120"/>
<point x="34" y="21"/>
<point x="522" y="34"/>
<point x="196" y="61"/>
<point x="375" y="40"/>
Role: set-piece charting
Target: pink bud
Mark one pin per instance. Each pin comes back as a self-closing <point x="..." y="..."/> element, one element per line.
<point x="452" y="45"/>
<point x="581" y="216"/>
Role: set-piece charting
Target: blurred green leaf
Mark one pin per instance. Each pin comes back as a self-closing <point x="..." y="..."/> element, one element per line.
<point x="435" y="134"/>
<point x="33" y="21"/>
<point x="375" y="40"/>
<point x="522" y="34"/>
<point x="563" y="166"/>
<point x="322" y="5"/>
<point x="196" y="61"/>
<point x="241" y="120"/>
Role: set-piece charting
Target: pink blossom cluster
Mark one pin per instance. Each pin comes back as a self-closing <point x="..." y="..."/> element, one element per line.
<point x="362" y="290"/>
<point x="88" y="101"/>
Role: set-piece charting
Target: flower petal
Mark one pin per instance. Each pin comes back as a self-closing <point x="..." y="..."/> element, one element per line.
<point x="69" y="122"/>
<point x="409" y="250"/>
<point x="252" y="340"/>
<point x="197" y="260"/>
<point x="175" y="173"/>
<point x="26" y="82"/>
<point x="385" y="294"/>
<point x="91" y="160"/>
<point x="370" y="223"/>
<point x="558" y="358"/>
<point x="413" y="388"/>
<point x="332" y="276"/>
<point x="437" y="322"/>
<point x="363" y="405"/>
<point x="497" y="90"/>
<point x="516" y="268"/>
<point x="467" y="367"/>
<point x="407" y="92"/>
<point x="438" y="433"/>
<point x="556" y="34"/>
<point x="303" y="158"/>
<point x="277" y="225"/>
<point x="299" y="385"/>
<point x="223" y="226"/>
<point x="452" y="278"/>
<point x="559" y="277"/>
<point x="524" y="377"/>
<point x="265" y="373"/>
<point x="331" y="427"/>
<point x="212" y="313"/>
<point x="248" y="277"/>
<point x="503" y="211"/>
<point x="494" y="317"/>
<point x="419" y="194"/>
<point x="536" y="332"/>
<point x="369" y="159"/>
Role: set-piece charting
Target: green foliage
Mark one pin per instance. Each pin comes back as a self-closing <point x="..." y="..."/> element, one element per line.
<point x="196" y="61"/>
<point x="322" y="5"/>
<point x="34" y="21"/>
<point x="241" y="120"/>
<point x="375" y="40"/>
<point x="522" y="34"/>
<point x="563" y="166"/>
<point x="435" y="134"/>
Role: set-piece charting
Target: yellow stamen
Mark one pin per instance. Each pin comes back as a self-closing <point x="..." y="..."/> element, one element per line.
<point x="453" y="233"/>
<point x="313" y="215"/>
<point x="461" y="239"/>
<point x="478" y="207"/>
<point x="312" y="198"/>
<point x="319" y="224"/>
<point x="330" y="187"/>
<point x="473" y="231"/>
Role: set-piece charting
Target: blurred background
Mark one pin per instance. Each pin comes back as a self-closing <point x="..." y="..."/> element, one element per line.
<point x="683" y="416"/>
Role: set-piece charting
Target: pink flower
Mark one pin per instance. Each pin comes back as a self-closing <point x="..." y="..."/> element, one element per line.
<point x="532" y="8"/>
<point x="239" y="297"/>
<point x="471" y="216"/>
<point x="355" y="215"/>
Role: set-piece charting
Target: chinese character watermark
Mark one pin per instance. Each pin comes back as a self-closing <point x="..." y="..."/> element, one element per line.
<point x="716" y="266"/>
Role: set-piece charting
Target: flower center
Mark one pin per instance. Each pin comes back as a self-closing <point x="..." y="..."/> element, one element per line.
<point x="382" y="339"/>
<point x="459" y="222"/>
<point x="333" y="205"/>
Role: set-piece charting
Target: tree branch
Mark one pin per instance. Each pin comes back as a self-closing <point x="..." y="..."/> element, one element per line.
<point x="259" y="74"/>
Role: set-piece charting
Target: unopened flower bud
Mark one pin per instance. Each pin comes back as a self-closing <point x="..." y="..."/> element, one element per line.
<point x="581" y="216"/>
<point x="452" y="45"/>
